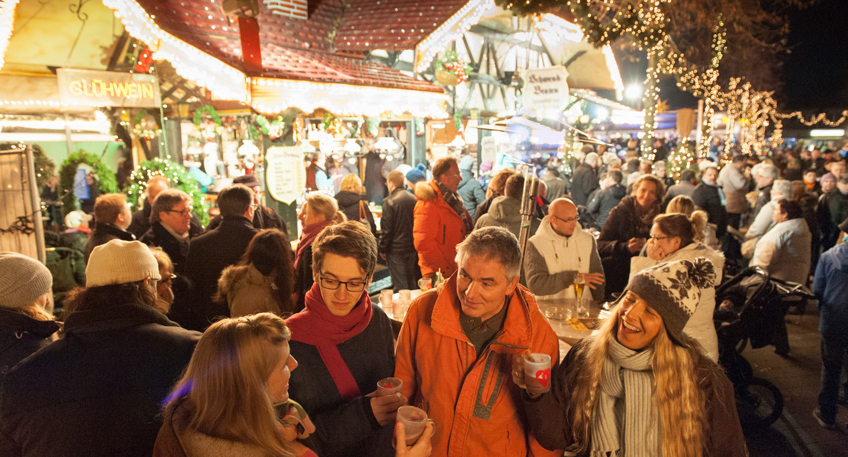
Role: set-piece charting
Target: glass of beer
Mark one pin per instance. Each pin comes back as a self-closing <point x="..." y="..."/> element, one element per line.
<point x="579" y="284"/>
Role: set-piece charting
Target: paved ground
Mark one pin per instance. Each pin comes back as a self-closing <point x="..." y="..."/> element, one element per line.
<point x="796" y="433"/>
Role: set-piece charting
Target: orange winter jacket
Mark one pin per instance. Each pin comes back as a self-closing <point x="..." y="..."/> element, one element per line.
<point x="476" y="406"/>
<point x="436" y="231"/>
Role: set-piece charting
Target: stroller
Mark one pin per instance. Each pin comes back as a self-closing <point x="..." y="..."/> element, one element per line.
<point x="760" y="303"/>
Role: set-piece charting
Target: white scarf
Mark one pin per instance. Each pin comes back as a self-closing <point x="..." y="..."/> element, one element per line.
<point x="625" y="423"/>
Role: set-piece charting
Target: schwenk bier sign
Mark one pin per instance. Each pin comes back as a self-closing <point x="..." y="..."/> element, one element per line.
<point x="546" y="88"/>
<point x="108" y="88"/>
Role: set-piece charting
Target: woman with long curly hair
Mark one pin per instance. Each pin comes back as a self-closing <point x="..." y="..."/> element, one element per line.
<point x="640" y="386"/>
<point x="263" y="281"/>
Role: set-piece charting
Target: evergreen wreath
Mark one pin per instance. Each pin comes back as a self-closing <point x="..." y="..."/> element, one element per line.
<point x="67" y="172"/>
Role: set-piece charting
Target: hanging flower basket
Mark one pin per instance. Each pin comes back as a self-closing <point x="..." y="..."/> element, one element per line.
<point x="451" y="70"/>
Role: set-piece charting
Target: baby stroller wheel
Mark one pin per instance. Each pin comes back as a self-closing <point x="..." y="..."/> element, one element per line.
<point x="760" y="405"/>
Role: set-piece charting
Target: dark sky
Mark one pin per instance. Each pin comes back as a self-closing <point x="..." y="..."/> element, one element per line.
<point x="815" y="74"/>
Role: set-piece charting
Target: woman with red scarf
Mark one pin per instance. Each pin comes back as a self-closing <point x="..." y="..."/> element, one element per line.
<point x="344" y="346"/>
<point x="318" y="212"/>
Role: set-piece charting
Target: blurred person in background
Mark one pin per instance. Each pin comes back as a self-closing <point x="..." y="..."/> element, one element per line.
<point x="469" y="188"/>
<point x="397" y="246"/>
<point x="112" y="218"/>
<point x="263" y="280"/>
<point x="353" y="204"/>
<point x="318" y="212"/>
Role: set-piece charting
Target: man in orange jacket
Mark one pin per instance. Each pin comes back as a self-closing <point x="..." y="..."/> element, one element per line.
<point x="441" y="220"/>
<point x="457" y="345"/>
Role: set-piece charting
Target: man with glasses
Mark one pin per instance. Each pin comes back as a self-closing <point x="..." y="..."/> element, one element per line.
<point x="170" y="220"/>
<point x="561" y="252"/>
<point x="441" y="220"/>
<point x="344" y="346"/>
<point x="210" y="253"/>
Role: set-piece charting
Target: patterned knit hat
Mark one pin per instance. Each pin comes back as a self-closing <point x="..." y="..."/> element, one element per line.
<point x="415" y="175"/>
<point x="120" y="262"/>
<point x="22" y="280"/>
<point x="673" y="290"/>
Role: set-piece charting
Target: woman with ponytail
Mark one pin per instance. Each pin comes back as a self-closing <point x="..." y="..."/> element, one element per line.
<point x="640" y="387"/>
<point x="674" y="237"/>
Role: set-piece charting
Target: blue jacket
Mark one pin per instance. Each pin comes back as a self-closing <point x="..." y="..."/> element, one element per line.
<point x="831" y="288"/>
<point x="471" y="192"/>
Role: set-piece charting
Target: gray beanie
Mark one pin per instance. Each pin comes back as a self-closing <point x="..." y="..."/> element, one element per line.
<point x="673" y="290"/>
<point x="22" y="280"/>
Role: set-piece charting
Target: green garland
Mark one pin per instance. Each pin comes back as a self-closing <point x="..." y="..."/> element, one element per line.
<point x="44" y="167"/>
<point x="176" y="174"/>
<point x="207" y="110"/>
<point x="67" y="172"/>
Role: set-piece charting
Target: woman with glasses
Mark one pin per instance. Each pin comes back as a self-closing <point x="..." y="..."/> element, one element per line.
<point x="263" y="279"/>
<point x="344" y="345"/>
<point x="318" y="212"/>
<point x="675" y="237"/>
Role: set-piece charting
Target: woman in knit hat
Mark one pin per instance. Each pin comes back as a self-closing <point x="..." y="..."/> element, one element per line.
<point x="26" y="303"/>
<point x="640" y="386"/>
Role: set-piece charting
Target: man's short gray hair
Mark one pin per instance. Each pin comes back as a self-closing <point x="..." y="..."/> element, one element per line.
<point x="592" y="159"/>
<point x="768" y="170"/>
<point x="784" y="188"/>
<point x="496" y="243"/>
<point x="167" y="200"/>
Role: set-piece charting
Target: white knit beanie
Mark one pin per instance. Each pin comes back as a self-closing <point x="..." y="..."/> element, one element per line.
<point x="120" y="262"/>
<point x="673" y="289"/>
<point x="22" y="280"/>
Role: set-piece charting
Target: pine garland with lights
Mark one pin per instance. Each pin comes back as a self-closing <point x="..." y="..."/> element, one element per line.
<point x="68" y="171"/>
<point x="44" y="167"/>
<point x="178" y="177"/>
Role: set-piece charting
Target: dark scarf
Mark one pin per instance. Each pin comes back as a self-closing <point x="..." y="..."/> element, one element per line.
<point x="306" y="238"/>
<point x="455" y="202"/>
<point x="317" y="326"/>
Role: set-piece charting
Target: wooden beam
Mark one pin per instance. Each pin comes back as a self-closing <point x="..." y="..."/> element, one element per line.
<point x="506" y="38"/>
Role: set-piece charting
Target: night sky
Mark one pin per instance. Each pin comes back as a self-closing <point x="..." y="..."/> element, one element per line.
<point x="815" y="74"/>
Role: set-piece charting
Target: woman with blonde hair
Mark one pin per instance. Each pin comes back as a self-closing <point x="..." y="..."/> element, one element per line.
<point x="26" y="304"/>
<point x="353" y="204"/>
<point x="640" y="386"/>
<point x="224" y="404"/>
<point x="704" y="231"/>
<point x="318" y="212"/>
<point x="673" y="238"/>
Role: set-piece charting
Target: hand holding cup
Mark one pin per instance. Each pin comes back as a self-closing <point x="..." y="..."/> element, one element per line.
<point x="532" y="372"/>
<point x="385" y="407"/>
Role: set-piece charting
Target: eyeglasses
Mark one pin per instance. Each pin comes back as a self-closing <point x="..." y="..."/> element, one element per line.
<point x="333" y="284"/>
<point x="183" y="213"/>
<point x="660" y="238"/>
<point x="457" y="175"/>
<point x="566" y="220"/>
<point x="169" y="280"/>
<point x="254" y="206"/>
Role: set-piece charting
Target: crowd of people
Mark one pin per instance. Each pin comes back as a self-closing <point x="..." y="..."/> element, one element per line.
<point x="230" y="342"/>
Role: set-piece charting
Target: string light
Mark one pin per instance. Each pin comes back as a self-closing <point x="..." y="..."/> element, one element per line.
<point x="272" y="96"/>
<point x="223" y="80"/>
<point x="450" y="30"/>
<point x="7" y="25"/>
<point x="100" y="124"/>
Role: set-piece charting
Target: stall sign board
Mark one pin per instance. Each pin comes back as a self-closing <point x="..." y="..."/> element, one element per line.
<point x="489" y="150"/>
<point x="546" y="88"/>
<point x="108" y="88"/>
<point x="286" y="175"/>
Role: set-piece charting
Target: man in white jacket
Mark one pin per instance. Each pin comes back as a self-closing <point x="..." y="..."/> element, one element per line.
<point x="561" y="251"/>
<point x="735" y="186"/>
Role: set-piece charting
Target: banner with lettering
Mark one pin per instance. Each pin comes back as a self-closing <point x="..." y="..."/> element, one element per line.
<point x="546" y="88"/>
<point x="108" y="88"/>
<point x="286" y="173"/>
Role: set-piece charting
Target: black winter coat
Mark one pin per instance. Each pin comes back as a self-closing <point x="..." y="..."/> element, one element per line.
<point x="585" y="180"/>
<point x="708" y="199"/>
<point x="397" y="222"/>
<point x="208" y="255"/>
<point x="99" y="390"/>
<point x="104" y="233"/>
<point x="20" y="336"/>
<point x="349" y="205"/>
<point x="263" y="218"/>
<point x="346" y="428"/>
<point x="622" y="225"/>
<point x="177" y="250"/>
